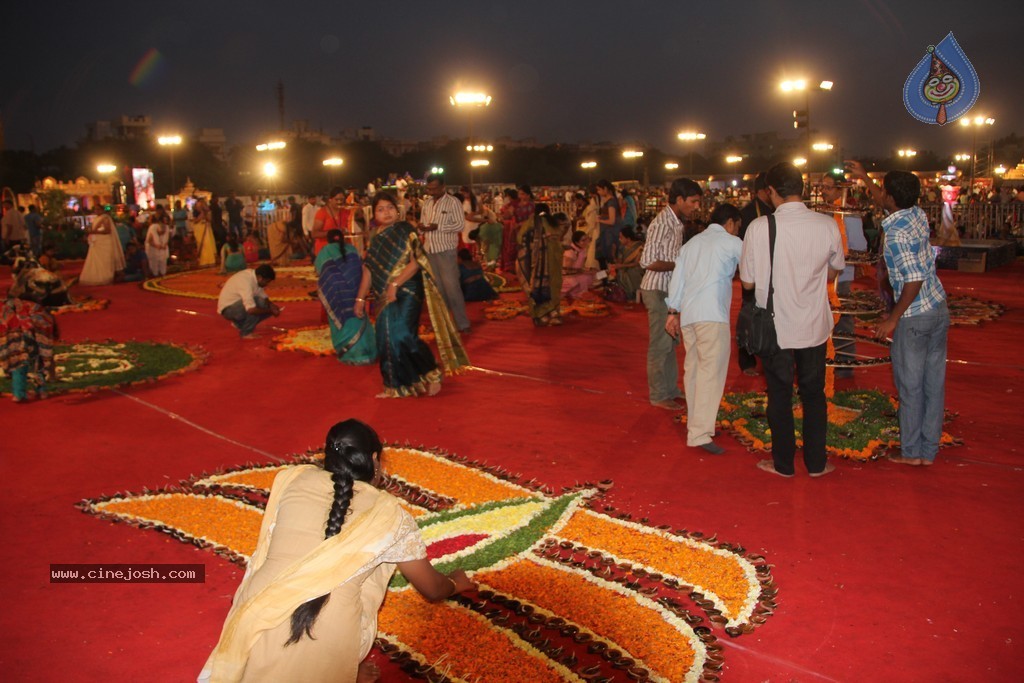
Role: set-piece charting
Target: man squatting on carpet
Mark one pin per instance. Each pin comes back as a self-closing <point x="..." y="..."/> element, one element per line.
<point x="243" y="301"/>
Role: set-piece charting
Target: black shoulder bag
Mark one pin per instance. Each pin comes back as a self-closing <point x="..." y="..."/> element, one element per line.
<point x="755" y="327"/>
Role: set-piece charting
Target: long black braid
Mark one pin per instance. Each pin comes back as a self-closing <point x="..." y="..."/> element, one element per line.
<point x="348" y="456"/>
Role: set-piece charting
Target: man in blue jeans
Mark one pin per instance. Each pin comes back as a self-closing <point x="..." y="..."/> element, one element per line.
<point x="919" y="322"/>
<point x="243" y="301"/>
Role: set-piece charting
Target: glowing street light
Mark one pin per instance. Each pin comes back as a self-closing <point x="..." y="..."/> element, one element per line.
<point x="632" y="154"/>
<point x="171" y="141"/>
<point x="436" y="170"/>
<point x="689" y="136"/>
<point x="802" y="117"/>
<point x="474" y="100"/>
<point x="588" y="164"/>
<point x="479" y="162"/>
<point x="671" y="166"/>
<point x="733" y="159"/>
<point x="976" y="123"/>
<point x="271" y="146"/>
<point x="270" y="169"/>
<point x="470" y="99"/>
<point x="479" y="148"/>
<point x="822" y="146"/>
<point x="334" y="161"/>
<point x="907" y="153"/>
<point x="999" y="170"/>
<point x="799" y="161"/>
<point x="106" y="169"/>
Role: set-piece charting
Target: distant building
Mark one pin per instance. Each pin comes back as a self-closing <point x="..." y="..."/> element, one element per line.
<point x="214" y="140"/>
<point x="125" y="128"/>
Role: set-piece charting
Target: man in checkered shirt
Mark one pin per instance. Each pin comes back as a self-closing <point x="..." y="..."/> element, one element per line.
<point x="441" y="221"/>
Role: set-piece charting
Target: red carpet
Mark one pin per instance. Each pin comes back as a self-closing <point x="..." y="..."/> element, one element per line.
<point x="884" y="572"/>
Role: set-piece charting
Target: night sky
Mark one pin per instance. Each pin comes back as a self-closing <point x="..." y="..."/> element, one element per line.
<point x="636" y="71"/>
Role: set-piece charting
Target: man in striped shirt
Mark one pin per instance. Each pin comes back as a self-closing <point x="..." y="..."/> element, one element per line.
<point x="664" y="239"/>
<point x="441" y="221"/>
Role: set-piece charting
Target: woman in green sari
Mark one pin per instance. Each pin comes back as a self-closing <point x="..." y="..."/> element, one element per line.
<point x="396" y="269"/>
<point x="540" y="264"/>
<point x="339" y="272"/>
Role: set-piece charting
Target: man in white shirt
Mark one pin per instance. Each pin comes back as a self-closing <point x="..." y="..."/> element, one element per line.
<point x="243" y="301"/>
<point x="808" y="253"/>
<point x="664" y="238"/>
<point x="441" y="221"/>
<point x="309" y="210"/>
<point x="699" y="296"/>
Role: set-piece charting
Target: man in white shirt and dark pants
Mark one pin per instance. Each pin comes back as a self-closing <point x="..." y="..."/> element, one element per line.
<point x="808" y="253"/>
<point x="699" y="296"/>
<point x="243" y="301"/>
<point x="441" y="221"/>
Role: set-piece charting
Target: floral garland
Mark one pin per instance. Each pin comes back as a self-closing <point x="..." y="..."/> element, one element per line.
<point x="316" y="340"/>
<point x="93" y="366"/>
<point x="293" y="283"/>
<point x="963" y="310"/>
<point x="862" y="423"/>
<point x="571" y="589"/>
<point x="506" y="309"/>
<point x="87" y="305"/>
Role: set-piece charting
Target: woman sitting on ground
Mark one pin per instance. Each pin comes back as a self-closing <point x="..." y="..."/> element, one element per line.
<point x="328" y="545"/>
<point x="339" y="271"/>
<point x="576" y="278"/>
<point x="475" y="286"/>
<point x="627" y="273"/>
<point x="232" y="258"/>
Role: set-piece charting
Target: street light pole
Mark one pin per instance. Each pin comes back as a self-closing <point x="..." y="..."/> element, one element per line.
<point x="171" y="141"/>
<point x="470" y="99"/>
<point x="691" y="137"/>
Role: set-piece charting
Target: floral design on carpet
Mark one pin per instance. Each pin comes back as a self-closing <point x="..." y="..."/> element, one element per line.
<point x="570" y="589"/>
<point x="293" y="283"/>
<point x="963" y="310"/>
<point x="85" y="305"/>
<point x="316" y="340"/>
<point x="92" y="366"/>
<point x="506" y="309"/>
<point x="862" y="423"/>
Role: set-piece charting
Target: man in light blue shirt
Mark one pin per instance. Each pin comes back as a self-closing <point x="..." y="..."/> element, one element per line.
<point x="699" y="297"/>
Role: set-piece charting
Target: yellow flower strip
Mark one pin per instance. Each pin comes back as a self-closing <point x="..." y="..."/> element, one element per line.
<point x="465" y="644"/>
<point x="642" y="631"/>
<point x="214" y="519"/>
<point x="447" y="478"/>
<point x="258" y="479"/>
<point x="724" y="577"/>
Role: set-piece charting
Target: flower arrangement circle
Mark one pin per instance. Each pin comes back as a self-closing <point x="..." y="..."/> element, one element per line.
<point x="862" y="423"/>
<point x="86" y="305"/>
<point x="92" y="366"/>
<point x="570" y="588"/>
<point x="963" y="310"/>
<point x="293" y="283"/>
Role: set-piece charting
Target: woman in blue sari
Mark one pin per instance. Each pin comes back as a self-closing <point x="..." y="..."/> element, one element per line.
<point x="339" y="271"/>
<point x="396" y="269"/>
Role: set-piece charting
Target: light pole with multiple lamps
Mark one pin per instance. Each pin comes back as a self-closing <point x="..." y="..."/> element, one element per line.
<point x="802" y="119"/>
<point x="906" y="155"/>
<point x="589" y="167"/>
<point x="470" y="101"/>
<point x="975" y="123"/>
<point x="171" y="142"/>
<point x="332" y="164"/>
<point x="691" y="136"/>
<point x="632" y="155"/>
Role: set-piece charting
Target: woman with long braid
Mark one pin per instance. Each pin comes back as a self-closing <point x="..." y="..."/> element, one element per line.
<point x="307" y="606"/>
